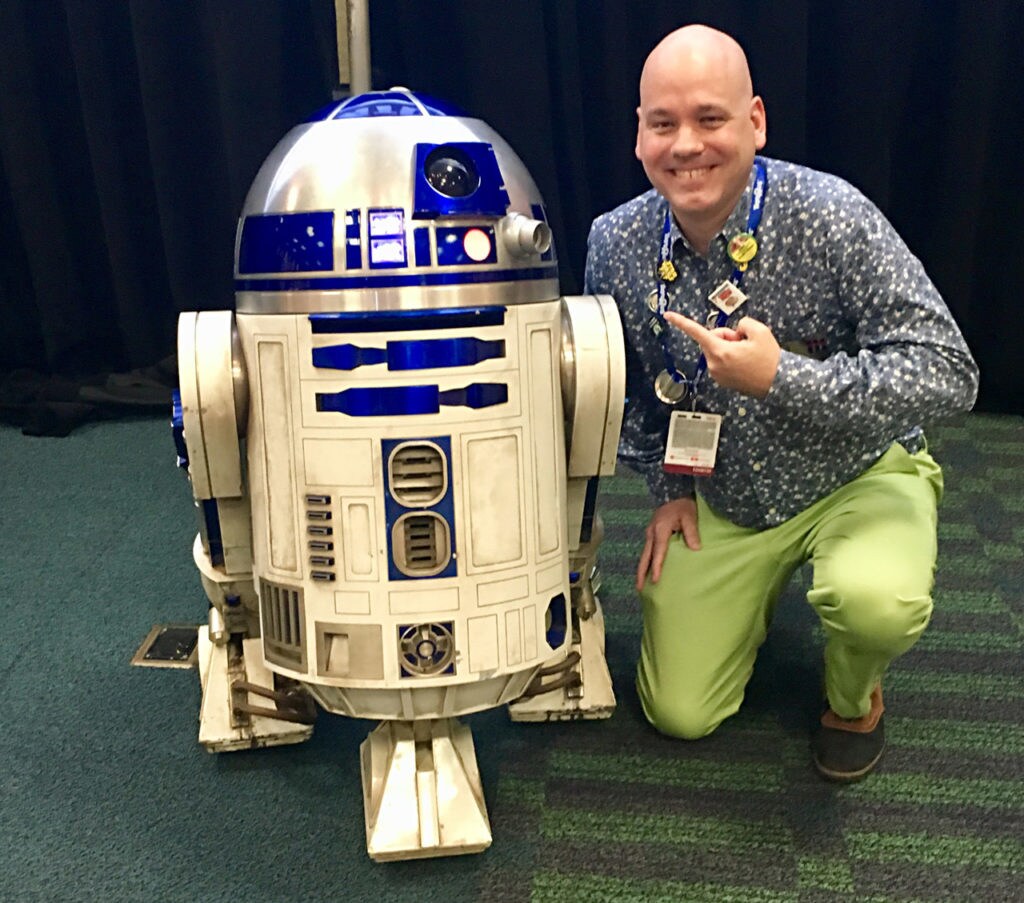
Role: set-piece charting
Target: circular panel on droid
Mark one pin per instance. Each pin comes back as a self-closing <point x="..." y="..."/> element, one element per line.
<point x="477" y="244"/>
<point x="451" y="172"/>
<point x="426" y="649"/>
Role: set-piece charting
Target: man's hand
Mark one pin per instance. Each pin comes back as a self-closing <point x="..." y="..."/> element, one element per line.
<point x="678" y="516"/>
<point x="744" y="358"/>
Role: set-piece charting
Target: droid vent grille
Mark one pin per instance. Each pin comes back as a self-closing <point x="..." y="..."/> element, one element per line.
<point x="418" y="476"/>
<point x="421" y="544"/>
<point x="284" y="625"/>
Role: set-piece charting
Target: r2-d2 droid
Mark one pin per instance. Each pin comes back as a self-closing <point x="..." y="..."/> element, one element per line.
<point x="394" y="444"/>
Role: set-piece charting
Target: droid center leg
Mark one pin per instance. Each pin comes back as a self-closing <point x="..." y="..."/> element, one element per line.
<point x="422" y="794"/>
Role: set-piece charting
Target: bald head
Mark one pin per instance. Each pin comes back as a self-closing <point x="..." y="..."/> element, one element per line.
<point x="699" y="126"/>
<point x="699" y="52"/>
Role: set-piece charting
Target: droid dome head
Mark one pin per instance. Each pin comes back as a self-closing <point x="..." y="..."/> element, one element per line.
<point x="390" y="201"/>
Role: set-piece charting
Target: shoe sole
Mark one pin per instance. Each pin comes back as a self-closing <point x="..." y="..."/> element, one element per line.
<point x="848" y="777"/>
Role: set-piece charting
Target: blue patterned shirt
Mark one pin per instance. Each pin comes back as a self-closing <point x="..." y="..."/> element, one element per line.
<point x="870" y="351"/>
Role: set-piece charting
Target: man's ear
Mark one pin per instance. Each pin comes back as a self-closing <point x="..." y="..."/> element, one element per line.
<point x="636" y="147"/>
<point x="760" y="122"/>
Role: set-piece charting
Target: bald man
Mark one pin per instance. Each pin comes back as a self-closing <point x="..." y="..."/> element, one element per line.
<point x="784" y="348"/>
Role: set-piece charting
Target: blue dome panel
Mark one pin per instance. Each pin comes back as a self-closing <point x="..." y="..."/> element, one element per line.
<point x="385" y="103"/>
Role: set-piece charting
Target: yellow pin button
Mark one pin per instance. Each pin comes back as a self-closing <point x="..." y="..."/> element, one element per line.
<point x="742" y="249"/>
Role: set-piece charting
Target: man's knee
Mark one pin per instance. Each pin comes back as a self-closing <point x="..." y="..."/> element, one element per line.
<point x="873" y="614"/>
<point x="680" y="717"/>
<point x="892" y="622"/>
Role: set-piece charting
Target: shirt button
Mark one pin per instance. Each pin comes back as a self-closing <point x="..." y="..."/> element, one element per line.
<point x="757" y="465"/>
<point x="741" y="411"/>
<point x="772" y="512"/>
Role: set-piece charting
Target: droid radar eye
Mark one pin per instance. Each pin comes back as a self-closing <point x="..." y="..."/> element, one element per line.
<point x="451" y="172"/>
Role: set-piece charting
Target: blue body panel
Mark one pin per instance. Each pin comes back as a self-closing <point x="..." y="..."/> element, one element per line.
<point x="406" y="320"/>
<point x="287" y="243"/>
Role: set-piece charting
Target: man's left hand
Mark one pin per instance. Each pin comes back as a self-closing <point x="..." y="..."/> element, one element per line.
<point x="744" y="358"/>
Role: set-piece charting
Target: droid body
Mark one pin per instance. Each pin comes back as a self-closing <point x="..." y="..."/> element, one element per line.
<point x="394" y="442"/>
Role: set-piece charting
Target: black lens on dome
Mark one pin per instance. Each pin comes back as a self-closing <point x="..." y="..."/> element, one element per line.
<point x="451" y="172"/>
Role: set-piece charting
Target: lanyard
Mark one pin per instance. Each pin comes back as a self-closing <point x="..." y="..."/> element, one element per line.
<point x="757" y="196"/>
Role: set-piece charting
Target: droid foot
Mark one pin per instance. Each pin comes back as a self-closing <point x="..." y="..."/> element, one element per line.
<point x="422" y="794"/>
<point x="591" y="697"/>
<point x="241" y="707"/>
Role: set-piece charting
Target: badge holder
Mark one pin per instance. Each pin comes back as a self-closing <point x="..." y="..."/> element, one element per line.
<point x="692" y="444"/>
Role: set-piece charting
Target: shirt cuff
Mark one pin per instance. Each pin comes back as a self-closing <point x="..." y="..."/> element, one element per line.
<point x="798" y="383"/>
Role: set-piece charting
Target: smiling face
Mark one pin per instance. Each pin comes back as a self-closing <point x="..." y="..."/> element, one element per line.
<point x="699" y="127"/>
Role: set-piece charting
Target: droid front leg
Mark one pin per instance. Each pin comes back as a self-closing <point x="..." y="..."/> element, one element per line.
<point x="578" y="686"/>
<point x="244" y="705"/>
<point x="593" y="390"/>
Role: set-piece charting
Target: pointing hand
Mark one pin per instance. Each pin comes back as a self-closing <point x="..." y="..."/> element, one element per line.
<point x="745" y="358"/>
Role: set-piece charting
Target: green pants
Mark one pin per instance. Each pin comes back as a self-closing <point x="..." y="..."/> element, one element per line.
<point x="872" y="544"/>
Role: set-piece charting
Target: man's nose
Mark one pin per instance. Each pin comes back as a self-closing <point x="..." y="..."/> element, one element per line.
<point x="688" y="141"/>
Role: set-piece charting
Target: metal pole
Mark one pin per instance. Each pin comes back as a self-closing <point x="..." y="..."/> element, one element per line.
<point x="353" y="25"/>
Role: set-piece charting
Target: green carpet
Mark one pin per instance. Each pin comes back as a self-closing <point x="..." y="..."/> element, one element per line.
<point x="107" y="796"/>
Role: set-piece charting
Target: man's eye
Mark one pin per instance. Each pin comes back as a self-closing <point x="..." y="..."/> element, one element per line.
<point x="712" y="121"/>
<point x="661" y="125"/>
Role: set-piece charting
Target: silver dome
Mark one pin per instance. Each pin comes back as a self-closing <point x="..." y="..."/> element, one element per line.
<point x="392" y="201"/>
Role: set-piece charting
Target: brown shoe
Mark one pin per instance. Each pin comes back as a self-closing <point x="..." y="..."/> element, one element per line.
<point x="848" y="749"/>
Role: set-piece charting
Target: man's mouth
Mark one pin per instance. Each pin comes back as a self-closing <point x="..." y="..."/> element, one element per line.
<point x="692" y="174"/>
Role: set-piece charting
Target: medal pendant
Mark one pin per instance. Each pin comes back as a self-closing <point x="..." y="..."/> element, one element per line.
<point x="670" y="387"/>
<point x="652" y="301"/>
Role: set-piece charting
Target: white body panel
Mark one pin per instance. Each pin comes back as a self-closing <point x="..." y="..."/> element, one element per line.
<point x="507" y="490"/>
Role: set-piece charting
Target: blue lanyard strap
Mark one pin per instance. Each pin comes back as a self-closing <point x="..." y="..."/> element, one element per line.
<point x="757" y="197"/>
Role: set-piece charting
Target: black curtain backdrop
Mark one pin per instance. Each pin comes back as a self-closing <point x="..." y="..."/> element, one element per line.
<point x="131" y="129"/>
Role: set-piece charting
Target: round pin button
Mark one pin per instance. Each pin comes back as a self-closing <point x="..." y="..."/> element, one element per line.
<point x="742" y="248"/>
